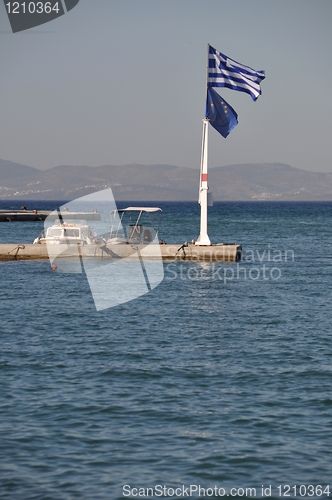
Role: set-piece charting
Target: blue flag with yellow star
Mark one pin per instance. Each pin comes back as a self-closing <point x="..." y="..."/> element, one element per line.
<point x="221" y="115"/>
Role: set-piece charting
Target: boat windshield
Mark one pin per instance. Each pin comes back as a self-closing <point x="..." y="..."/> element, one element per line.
<point x="54" y="232"/>
<point x="71" y="232"/>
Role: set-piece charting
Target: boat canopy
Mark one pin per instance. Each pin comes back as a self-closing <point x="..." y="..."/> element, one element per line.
<point x="135" y="223"/>
<point x="138" y="209"/>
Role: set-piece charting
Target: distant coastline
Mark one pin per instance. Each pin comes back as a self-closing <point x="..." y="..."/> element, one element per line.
<point x="245" y="182"/>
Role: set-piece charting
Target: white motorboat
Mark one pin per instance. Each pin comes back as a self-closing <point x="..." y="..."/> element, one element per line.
<point x="132" y="225"/>
<point x="135" y="225"/>
<point x="66" y="233"/>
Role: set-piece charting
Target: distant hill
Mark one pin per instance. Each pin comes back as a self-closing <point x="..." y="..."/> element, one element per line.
<point x="9" y="170"/>
<point x="265" y="181"/>
<point x="269" y="181"/>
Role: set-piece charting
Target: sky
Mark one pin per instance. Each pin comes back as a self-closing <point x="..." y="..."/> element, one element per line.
<point x="123" y="81"/>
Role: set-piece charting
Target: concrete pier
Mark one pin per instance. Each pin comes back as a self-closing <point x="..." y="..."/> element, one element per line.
<point x="36" y="215"/>
<point x="210" y="253"/>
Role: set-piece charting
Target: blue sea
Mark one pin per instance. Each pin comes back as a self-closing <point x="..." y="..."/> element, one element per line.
<point x="216" y="383"/>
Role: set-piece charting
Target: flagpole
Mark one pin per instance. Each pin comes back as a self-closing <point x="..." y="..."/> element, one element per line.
<point x="203" y="238"/>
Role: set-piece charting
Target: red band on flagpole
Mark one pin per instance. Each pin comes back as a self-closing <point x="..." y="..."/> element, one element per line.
<point x="204" y="177"/>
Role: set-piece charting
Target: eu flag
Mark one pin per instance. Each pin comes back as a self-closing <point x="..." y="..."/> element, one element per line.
<point x="221" y="115"/>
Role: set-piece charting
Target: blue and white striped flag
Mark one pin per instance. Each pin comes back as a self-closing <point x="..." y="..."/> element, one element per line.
<point x="225" y="72"/>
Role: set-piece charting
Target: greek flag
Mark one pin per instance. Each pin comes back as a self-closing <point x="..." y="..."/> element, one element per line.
<point x="225" y="72"/>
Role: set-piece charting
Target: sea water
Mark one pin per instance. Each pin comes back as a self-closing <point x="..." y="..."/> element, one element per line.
<point x="218" y="382"/>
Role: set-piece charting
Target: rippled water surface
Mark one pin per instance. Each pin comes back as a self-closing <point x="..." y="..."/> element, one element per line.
<point x="221" y="376"/>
